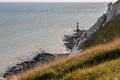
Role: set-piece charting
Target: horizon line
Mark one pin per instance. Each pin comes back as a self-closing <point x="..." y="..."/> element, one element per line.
<point x="54" y="2"/>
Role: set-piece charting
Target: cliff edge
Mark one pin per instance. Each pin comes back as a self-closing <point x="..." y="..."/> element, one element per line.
<point x="113" y="10"/>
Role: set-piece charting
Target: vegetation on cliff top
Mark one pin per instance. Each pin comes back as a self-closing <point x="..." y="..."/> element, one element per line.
<point x="107" y="33"/>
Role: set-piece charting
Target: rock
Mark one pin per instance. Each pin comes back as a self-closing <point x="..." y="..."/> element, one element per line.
<point x="25" y="65"/>
<point x="69" y="40"/>
<point x="40" y="58"/>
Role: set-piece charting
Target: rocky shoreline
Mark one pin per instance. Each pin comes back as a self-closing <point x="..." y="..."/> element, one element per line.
<point x="40" y="58"/>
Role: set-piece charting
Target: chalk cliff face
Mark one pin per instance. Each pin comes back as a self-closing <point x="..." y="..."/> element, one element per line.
<point x="112" y="11"/>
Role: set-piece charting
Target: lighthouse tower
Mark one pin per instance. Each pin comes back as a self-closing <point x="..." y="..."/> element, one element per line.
<point x="77" y="29"/>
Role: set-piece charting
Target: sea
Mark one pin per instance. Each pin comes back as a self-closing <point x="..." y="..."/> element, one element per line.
<point x="26" y="28"/>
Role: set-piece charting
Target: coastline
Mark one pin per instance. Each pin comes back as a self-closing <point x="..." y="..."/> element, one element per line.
<point x="40" y="58"/>
<point x="27" y="64"/>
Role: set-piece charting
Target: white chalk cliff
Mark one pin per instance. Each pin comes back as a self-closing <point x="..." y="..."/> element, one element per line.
<point x="112" y="11"/>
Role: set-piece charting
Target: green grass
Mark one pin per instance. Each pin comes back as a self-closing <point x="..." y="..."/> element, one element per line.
<point x="105" y="34"/>
<point x="104" y="71"/>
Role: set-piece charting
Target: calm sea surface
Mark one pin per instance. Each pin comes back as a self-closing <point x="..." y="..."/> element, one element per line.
<point x="26" y="27"/>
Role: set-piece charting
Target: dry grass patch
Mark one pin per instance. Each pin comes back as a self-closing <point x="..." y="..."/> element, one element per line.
<point x="88" y="58"/>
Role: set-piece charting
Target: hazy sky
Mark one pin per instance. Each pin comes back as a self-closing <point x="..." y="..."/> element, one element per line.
<point x="58" y="0"/>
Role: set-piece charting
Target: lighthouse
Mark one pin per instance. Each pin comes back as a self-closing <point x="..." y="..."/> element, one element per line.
<point x="77" y="27"/>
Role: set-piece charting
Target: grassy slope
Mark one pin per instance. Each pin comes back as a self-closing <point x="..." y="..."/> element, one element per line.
<point x="106" y="34"/>
<point x="97" y="63"/>
<point x="104" y="71"/>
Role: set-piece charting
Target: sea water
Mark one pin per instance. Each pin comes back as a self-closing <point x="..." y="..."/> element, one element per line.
<point x="27" y="27"/>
